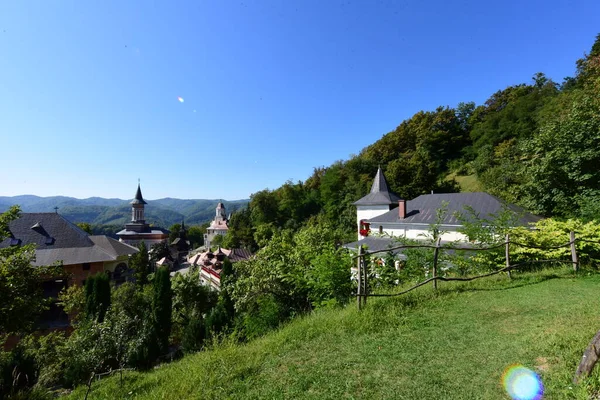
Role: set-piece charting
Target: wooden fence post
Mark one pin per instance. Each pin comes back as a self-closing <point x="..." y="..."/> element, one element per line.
<point x="365" y="281"/>
<point x="507" y="253"/>
<point x="574" y="252"/>
<point x="435" y="260"/>
<point x="359" y="277"/>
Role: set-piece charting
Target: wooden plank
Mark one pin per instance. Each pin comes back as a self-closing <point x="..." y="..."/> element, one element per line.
<point x="574" y="252"/>
<point x="365" y="281"/>
<point x="435" y="261"/>
<point x="359" y="277"/>
<point x="507" y="254"/>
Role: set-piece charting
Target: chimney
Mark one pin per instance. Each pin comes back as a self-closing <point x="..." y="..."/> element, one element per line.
<point x="402" y="209"/>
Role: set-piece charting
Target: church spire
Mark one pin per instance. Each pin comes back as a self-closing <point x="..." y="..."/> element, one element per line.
<point x="379" y="183"/>
<point x="138" y="199"/>
<point x="380" y="193"/>
<point x="137" y="207"/>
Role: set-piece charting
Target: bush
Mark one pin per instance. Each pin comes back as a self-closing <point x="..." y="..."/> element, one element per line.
<point x="18" y="371"/>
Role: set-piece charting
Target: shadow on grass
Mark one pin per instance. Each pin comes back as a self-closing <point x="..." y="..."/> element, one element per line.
<point x="131" y="386"/>
<point x="512" y="283"/>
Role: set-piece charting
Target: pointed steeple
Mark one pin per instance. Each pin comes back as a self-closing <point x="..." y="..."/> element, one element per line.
<point x="379" y="183"/>
<point x="380" y="193"/>
<point x="138" y="199"/>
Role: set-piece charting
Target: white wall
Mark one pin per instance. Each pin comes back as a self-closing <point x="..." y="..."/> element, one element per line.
<point x="368" y="212"/>
<point x="421" y="234"/>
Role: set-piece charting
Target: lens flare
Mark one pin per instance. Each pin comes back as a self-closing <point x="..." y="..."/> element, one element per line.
<point x="180" y="99"/>
<point x="522" y="383"/>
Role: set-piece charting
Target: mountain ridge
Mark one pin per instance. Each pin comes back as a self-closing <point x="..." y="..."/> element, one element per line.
<point x="104" y="211"/>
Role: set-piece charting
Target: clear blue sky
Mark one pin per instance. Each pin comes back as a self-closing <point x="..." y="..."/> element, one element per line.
<point x="89" y="89"/>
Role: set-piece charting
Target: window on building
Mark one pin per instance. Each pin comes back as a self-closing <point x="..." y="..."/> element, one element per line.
<point x="86" y="266"/>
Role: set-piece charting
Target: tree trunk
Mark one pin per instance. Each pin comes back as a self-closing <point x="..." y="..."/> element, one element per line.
<point x="589" y="359"/>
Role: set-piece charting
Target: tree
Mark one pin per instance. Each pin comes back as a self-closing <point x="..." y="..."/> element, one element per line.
<point x="195" y="235"/>
<point x="174" y="232"/>
<point x="191" y="302"/>
<point x="217" y="240"/>
<point x="563" y="157"/>
<point x="240" y="232"/>
<point x="21" y="296"/>
<point x="140" y="264"/>
<point x="97" y="296"/>
<point x="158" y="251"/>
<point x="162" y="308"/>
<point x="87" y="228"/>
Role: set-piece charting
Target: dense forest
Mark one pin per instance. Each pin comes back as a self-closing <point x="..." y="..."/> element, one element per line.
<point x="535" y="144"/>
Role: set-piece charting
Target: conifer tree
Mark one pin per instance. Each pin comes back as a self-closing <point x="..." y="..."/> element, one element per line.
<point x="162" y="307"/>
<point x="97" y="296"/>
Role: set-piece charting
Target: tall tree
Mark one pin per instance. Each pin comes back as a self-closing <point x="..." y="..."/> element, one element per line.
<point x="97" y="296"/>
<point x="162" y="307"/>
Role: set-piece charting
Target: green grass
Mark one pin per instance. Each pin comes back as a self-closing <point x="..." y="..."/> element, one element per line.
<point x="467" y="183"/>
<point x="453" y="344"/>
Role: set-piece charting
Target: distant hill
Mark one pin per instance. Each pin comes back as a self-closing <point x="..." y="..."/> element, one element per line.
<point x="100" y="211"/>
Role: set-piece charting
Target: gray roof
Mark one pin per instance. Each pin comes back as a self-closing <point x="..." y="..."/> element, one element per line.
<point x="153" y="231"/>
<point x="422" y="210"/>
<point x="113" y="246"/>
<point x="35" y="228"/>
<point x="71" y="245"/>
<point x="380" y="193"/>
<point x="138" y="199"/>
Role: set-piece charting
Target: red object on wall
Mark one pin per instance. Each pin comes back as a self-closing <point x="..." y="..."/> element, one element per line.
<point x="364" y="228"/>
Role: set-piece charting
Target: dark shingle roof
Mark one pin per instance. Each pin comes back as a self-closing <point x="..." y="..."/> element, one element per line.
<point x="71" y="245"/>
<point x="35" y="228"/>
<point x="380" y="193"/>
<point x="138" y="199"/>
<point x="422" y="210"/>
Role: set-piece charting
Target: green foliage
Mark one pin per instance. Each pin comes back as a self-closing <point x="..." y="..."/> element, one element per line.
<point x="87" y="228"/>
<point x="18" y="371"/>
<point x="217" y="241"/>
<point x="97" y="296"/>
<point x="292" y="274"/>
<point x="551" y="233"/>
<point x="195" y="235"/>
<point x="157" y="252"/>
<point x="162" y="308"/>
<point x="192" y="301"/>
<point x="140" y="263"/>
<point x="563" y="157"/>
<point x="21" y="297"/>
<point x="240" y="233"/>
<point x="73" y="301"/>
<point x="174" y="232"/>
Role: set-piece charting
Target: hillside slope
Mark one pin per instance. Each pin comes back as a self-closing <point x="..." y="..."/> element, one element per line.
<point x="453" y="345"/>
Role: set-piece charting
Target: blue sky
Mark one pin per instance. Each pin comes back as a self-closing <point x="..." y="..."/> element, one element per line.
<point x="89" y="89"/>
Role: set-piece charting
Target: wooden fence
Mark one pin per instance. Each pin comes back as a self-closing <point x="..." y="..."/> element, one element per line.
<point x="362" y="275"/>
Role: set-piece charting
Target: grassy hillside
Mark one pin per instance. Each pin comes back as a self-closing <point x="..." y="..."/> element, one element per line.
<point x="451" y="345"/>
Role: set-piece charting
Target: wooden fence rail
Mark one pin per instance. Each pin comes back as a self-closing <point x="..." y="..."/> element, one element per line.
<point x="362" y="274"/>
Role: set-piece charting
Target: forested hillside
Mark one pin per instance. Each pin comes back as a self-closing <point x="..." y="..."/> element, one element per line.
<point x="99" y="211"/>
<point x="536" y="144"/>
